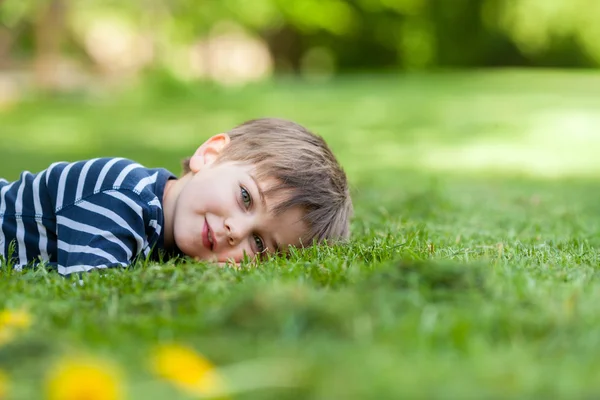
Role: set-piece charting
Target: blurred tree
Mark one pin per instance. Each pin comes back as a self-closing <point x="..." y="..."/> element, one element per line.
<point x="13" y="22"/>
<point x="334" y="35"/>
<point x="550" y="32"/>
<point x="49" y="27"/>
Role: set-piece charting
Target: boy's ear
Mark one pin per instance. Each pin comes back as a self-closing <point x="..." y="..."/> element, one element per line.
<point x="209" y="151"/>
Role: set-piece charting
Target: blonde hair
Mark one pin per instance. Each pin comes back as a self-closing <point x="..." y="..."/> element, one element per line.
<point x="303" y="166"/>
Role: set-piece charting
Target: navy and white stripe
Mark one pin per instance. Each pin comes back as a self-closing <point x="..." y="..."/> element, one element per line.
<point x="85" y="215"/>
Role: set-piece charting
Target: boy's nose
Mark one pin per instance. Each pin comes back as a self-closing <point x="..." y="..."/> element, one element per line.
<point x="236" y="229"/>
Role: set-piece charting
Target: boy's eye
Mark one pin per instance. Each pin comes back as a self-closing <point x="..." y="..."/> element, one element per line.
<point x="260" y="245"/>
<point x="246" y="198"/>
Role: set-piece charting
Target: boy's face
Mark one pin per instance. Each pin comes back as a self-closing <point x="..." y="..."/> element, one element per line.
<point x="221" y="215"/>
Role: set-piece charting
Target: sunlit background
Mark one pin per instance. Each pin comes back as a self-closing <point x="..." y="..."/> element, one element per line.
<point x="429" y="84"/>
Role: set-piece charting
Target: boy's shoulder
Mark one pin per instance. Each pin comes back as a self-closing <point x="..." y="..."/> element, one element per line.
<point x="80" y="179"/>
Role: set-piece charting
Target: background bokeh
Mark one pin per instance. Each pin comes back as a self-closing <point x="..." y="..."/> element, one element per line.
<point x="467" y="84"/>
<point x="64" y="45"/>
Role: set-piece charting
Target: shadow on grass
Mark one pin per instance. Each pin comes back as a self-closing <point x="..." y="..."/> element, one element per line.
<point x="440" y="280"/>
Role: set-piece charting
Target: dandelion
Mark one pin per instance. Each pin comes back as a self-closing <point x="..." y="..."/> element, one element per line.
<point x="188" y="370"/>
<point x="16" y="319"/>
<point x="3" y="385"/>
<point x="84" y="379"/>
<point x="12" y="322"/>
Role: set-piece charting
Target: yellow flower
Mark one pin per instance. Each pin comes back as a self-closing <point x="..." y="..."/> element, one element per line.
<point x="20" y="319"/>
<point x="6" y="335"/>
<point x="3" y="385"/>
<point x="187" y="370"/>
<point x="84" y="379"/>
<point x="12" y="322"/>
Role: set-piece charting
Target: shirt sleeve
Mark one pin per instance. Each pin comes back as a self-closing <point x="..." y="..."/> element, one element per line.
<point x="101" y="231"/>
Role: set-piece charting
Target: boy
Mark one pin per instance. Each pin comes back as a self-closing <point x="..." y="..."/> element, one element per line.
<point x="264" y="186"/>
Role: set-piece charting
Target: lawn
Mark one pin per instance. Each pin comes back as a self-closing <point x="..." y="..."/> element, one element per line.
<point x="472" y="270"/>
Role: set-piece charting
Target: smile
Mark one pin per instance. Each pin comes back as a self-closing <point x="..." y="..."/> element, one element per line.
<point x="208" y="239"/>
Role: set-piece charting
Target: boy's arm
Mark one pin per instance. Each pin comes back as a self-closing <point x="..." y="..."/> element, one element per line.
<point x="102" y="231"/>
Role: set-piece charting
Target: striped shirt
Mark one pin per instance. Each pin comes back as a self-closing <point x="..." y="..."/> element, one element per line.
<point x="84" y="215"/>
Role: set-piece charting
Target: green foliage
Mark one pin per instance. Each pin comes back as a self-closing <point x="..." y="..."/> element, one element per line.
<point x="356" y="34"/>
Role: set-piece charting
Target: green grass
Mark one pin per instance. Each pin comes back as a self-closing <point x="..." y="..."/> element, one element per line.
<point x="472" y="271"/>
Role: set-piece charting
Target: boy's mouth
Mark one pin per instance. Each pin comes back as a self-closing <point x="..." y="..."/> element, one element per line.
<point x="208" y="239"/>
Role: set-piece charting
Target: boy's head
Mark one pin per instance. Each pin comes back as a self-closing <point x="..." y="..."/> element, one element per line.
<point x="267" y="180"/>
